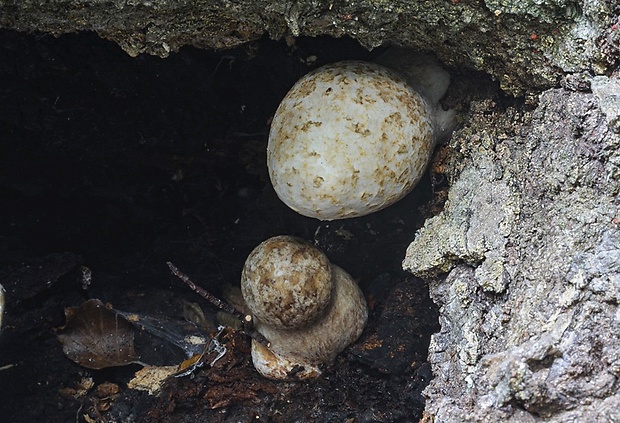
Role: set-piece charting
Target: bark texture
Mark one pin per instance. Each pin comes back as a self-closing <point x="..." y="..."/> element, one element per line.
<point x="524" y="44"/>
<point x="530" y="238"/>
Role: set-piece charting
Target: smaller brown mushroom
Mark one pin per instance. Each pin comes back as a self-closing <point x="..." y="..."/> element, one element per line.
<point x="308" y="309"/>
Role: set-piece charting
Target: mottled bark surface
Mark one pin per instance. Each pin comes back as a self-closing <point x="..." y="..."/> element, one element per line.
<point x="524" y="44"/>
<point x="531" y="233"/>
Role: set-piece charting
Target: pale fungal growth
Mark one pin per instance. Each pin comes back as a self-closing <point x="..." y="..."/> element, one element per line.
<point x="352" y="138"/>
<point x="307" y="309"/>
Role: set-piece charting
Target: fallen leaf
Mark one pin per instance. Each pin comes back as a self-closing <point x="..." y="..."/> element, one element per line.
<point x="97" y="337"/>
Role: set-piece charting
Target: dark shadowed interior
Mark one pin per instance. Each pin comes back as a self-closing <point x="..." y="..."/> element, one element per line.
<point x="118" y="165"/>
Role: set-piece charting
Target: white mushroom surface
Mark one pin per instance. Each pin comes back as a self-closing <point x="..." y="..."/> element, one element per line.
<point x="348" y="139"/>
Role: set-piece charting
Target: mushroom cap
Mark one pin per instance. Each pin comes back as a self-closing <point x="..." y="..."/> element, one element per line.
<point x="348" y="139"/>
<point x="286" y="283"/>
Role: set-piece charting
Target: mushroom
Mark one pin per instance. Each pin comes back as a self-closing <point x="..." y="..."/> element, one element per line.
<point x="308" y="309"/>
<point x="353" y="137"/>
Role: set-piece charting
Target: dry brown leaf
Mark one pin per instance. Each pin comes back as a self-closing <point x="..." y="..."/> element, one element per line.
<point x="96" y="336"/>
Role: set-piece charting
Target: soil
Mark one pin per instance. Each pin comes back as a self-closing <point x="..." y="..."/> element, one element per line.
<point x="111" y="166"/>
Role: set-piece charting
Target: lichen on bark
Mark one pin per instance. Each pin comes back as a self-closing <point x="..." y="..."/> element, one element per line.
<point x="545" y="348"/>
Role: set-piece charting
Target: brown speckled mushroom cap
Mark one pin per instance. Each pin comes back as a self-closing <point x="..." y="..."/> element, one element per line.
<point x="348" y="139"/>
<point x="286" y="283"/>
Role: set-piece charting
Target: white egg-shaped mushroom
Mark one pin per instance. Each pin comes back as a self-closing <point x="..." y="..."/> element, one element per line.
<point x="348" y="139"/>
<point x="308" y="309"/>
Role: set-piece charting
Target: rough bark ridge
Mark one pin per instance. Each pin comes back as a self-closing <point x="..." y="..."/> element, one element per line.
<point x="523" y="43"/>
<point x="531" y="233"/>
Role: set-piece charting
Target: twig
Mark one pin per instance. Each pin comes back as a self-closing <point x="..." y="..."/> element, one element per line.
<point x="246" y="319"/>
<point x="204" y="293"/>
